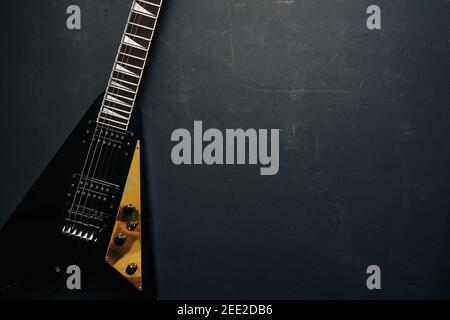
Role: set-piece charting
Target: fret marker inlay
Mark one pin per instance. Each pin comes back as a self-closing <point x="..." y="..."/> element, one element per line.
<point x="138" y="8"/>
<point x="112" y="113"/>
<point x="118" y="85"/>
<point x="128" y="40"/>
<point x="113" y="99"/>
<point x="121" y="68"/>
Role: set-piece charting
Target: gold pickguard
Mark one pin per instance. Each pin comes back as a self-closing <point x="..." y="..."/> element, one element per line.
<point x="124" y="249"/>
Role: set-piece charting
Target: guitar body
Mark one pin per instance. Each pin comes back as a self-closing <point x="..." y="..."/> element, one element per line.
<point x="103" y="233"/>
<point x="83" y="230"/>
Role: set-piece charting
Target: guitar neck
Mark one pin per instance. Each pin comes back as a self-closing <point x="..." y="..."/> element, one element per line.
<point x="123" y="85"/>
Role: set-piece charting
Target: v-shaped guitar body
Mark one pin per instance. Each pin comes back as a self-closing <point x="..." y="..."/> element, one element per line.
<point x="86" y="215"/>
<point x="38" y="248"/>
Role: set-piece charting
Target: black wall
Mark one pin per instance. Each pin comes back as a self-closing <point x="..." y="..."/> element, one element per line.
<point x="364" y="147"/>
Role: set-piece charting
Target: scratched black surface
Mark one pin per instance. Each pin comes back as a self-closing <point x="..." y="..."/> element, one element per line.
<point x="365" y="142"/>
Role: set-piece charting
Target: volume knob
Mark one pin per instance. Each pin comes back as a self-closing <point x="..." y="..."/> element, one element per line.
<point x="120" y="239"/>
<point x="131" y="269"/>
<point x="128" y="209"/>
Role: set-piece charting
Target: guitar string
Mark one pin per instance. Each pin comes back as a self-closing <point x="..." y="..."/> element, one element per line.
<point x="112" y="163"/>
<point x="108" y="118"/>
<point x="97" y="202"/>
<point x="107" y="123"/>
<point x="102" y="166"/>
<point x="96" y="130"/>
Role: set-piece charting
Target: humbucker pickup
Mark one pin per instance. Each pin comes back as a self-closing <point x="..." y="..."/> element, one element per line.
<point x="89" y="207"/>
<point x="109" y="137"/>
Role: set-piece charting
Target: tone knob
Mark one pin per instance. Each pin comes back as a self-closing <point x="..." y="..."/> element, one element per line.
<point x="131" y="269"/>
<point x="128" y="209"/>
<point x="120" y="239"/>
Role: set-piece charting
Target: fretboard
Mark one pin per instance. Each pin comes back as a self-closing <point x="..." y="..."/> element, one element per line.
<point x="123" y="85"/>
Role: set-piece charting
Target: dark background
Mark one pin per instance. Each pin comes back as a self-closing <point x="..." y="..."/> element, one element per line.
<point x="365" y="137"/>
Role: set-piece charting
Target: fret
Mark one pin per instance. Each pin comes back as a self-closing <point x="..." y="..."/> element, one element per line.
<point x="156" y="3"/>
<point x="109" y="114"/>
<point x="122" y="78"/>
<point x="131" y="43"/>
<point x="127" y="61"/>
<point x="145" y="9"/>
<point x="134" y="35"/>
<point x="112" y="98"/>
<point x="132" y="69"/>
<point x="129" y="64"/>
<point x="140" y="26"/>
<point x="123" y="93"/>
<point x="142" y="20"/>
<point x="122" y="107"/>
<point x="140" y="53"/>
<point x="116" y="113"/>
<point x="149" y="8"/>
<point x="122" y="111"/>
<point x="120" y="83"/>
<point x="119" y="99"/>
<point x="111" y="125"/>
<point x="109" y="119"/>
<point x="137" y="41"/>
<point x="128" y="68"/>
<point x="141" y="11"/>
<point x="141" y="31"/>
<point x="127" y="100"/>
<point x="115" y="85"/>
<point x="126" y="58"/>
<point x="133" y="27"/>
<point x="134" y="57"/>
<point x="133" y="72"/>
<point x="114" y="118"/>
<point x="112" y="121"/>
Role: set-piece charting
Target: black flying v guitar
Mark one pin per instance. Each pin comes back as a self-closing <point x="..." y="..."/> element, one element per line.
<point x="85" y="216"/>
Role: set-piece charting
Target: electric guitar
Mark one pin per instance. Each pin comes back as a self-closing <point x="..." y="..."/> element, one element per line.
<point x="83" y="230"/>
